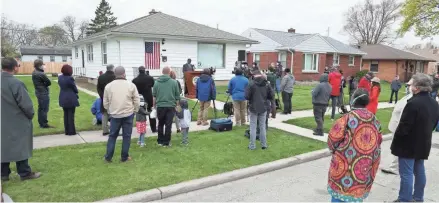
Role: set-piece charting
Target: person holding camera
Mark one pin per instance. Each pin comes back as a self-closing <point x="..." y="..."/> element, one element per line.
<point x="205" y="93"/>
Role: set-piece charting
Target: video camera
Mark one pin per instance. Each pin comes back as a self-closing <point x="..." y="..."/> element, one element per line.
<point x="212" y="70"/>
<point x="243" y="66"/>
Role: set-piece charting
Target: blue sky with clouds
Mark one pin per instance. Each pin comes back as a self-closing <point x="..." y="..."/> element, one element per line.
<point x="306" y="16"/>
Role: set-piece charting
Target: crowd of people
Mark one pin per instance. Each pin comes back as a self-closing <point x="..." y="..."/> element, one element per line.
<point x="354" y="139"/>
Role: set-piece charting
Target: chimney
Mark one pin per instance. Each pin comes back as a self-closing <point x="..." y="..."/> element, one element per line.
<point x="152" y="12"/>
<point x="292" y="30"/>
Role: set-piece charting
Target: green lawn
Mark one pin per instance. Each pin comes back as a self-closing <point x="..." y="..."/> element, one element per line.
<point x="383" y="116"/>
<point x="83" y="116"/>
<point x="78" y="173"/>
<point x="302" y="95"/>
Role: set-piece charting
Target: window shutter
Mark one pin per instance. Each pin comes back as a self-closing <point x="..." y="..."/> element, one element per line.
<point x="303" y="61"/>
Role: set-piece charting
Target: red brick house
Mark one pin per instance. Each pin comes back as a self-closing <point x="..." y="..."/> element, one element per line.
<point x="306" y="54"/>
<point x="387" y="62"/>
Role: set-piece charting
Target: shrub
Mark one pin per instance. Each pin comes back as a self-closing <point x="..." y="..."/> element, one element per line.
<point x="361" y="74"/>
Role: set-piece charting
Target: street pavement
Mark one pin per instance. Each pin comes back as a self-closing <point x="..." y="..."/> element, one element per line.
<point x="307" y="182"/>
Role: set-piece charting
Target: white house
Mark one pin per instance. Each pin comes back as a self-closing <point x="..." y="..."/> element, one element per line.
<point x="158" y="40"/>
<point x="47" y="54"/>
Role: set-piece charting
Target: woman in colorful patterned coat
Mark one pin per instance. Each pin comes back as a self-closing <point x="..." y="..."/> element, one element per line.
<point x="355" y="142"/>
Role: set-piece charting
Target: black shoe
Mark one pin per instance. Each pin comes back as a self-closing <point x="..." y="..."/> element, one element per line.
<point x="178" y="130"/>
<point x="105" y="134"/>
<point x="107" y="160"/>
<point x="32" y="175"/>
<point x="5" y="178"/>
<point x="264" y="148"/>
<point x="46" y="126"/>
<point x="318" y="133"/>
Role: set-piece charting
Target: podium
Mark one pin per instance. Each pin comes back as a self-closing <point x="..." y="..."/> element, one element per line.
<point x="190" y="79"/>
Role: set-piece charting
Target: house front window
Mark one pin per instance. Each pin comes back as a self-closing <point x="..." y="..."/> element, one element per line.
<point x="210" y="55"/>
<point x="76" y="52"/>
<point x="257" y="59"/>
<point x="351" y="60"/>
<point x="310" y="62"/>
<point x="283" y="59"/>
<point x="104" y="52"/>
<point x="64" y="58"/>
<point x="52" y="58"/>
<point x="374" y="66"/>
<point x="336" y="60"/>
<point x="89" y="52"/>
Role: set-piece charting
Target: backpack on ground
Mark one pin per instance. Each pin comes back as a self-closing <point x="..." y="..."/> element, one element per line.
<point x="220" y="124"/>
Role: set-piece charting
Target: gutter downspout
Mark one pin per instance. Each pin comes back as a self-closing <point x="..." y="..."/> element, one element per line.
<point x="292" y="60"/>
<point x="361" y="63"/>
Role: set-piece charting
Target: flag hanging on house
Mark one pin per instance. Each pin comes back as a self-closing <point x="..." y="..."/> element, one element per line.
<point x="152" y="55"/>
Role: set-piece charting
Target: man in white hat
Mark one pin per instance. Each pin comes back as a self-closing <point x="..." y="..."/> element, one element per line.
<point x="393" y="124"/>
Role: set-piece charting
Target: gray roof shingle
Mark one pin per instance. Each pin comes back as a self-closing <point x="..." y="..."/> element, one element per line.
<point x="41" y="50"/>
<point x="383" y="52"/>
<point x="287" y="39"/>
<point x="167" y="25"/>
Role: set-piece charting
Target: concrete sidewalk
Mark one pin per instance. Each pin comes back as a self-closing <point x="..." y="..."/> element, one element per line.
<point x="307" y="183"/>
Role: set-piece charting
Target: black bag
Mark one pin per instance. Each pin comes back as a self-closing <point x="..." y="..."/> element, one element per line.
<point x="277" y="104"/>
<point x="228" y="107"/>
<point x="220" y="124"/>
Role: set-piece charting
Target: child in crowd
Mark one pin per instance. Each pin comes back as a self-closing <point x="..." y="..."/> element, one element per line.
<point x="185" y="118"/>
<point x="96" y="111"/>
<point x="141" y="121"/>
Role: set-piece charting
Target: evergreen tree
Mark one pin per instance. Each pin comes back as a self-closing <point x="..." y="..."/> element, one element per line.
<point x="104" y="19"/>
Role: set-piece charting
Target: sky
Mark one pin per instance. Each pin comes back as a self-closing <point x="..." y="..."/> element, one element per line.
<point x="235" y="16"/>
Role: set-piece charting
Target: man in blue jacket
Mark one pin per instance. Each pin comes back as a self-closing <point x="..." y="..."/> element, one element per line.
<point x="206" y="91"/>
<point x="236" y="88"/>
<point x="96" y="111"/>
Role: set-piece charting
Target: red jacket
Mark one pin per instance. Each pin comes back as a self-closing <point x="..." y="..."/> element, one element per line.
<point x="335" y="81"/>
<point x="364" y="83"/>
<point x="373" y="99"/>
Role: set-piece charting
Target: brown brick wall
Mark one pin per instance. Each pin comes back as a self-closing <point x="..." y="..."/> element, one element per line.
<point x="387" y="69"/>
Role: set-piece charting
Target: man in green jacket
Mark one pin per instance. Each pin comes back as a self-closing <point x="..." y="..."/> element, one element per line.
<point x="166" y="96"/>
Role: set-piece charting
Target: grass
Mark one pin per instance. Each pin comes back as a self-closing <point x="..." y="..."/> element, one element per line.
<point x="83" y="116"/>
<point x="84" y="84"/>
<point x="383" y="116"/>
<point x="85" y="177"/>
<point x="302" y="95"/>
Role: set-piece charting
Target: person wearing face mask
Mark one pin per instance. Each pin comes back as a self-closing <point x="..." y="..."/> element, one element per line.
<point x="413" y="137"/>
<point x="41" y="84"/>
<point x="393" y="124"/>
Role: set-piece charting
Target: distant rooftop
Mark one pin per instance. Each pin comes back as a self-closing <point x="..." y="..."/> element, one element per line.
<point x="384" y="52"/>
<point x="42" y="50"/>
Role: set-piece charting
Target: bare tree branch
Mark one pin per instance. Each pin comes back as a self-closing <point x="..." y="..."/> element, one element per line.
<point x="372" y="23"/>
<point x="69" y="25"/>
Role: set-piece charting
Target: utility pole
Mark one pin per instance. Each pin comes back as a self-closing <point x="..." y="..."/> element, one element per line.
<point x="217" y="25"/>
<point x="327" y="32"/>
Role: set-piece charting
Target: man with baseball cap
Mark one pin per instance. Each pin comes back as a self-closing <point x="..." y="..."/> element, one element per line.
<point x="41" y="84"/>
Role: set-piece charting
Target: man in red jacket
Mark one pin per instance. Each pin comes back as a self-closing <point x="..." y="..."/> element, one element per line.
<point x="335" y="82"/>
<point x="365" y="81"/>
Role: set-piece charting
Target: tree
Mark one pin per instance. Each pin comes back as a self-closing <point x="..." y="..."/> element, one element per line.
<point x="422" y="16"/>
<point x="74" y="30"/>
<point x="372" y="23"/>
<point x="14" y="35"/>
<point x="104" y="19"/>
<point x="53" y="36"/>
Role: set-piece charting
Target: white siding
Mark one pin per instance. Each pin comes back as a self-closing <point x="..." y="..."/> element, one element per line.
<point x="266" y="44"/>
<point x="178" y="51"/>
<point x="315" y="44"/>
<point x="76" y="62"/>
<point x="132" y="54"/>
<point x="231" y="56"/>
<point x="31" y="58"/>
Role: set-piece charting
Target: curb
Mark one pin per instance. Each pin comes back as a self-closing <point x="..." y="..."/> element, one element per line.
<point x="209" y="181"/>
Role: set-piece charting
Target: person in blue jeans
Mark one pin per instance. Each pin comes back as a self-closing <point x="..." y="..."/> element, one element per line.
<point x="412" y="140"/>
<point x="121" y="100"/>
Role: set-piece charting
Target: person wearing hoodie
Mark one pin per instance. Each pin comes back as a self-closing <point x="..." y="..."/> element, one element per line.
<point x="258" y="94"/>
<point x="41" y="84"/>
<point x="335" y="82"/>
<point x="286" y="87"/>
<point x="185" y="118"/>
<point x="320" y="101"/>
<point x="236" y="88"/>
<point x="395" y="86"/>
<point x="393" y="124"/>
<point x="205" y="92"/>
<point x="144" y="83"/>
<point x="166" y="96"/>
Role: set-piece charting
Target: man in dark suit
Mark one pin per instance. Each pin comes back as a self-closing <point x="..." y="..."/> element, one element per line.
<point x="144" y="83"/>
<point x="413" y="136"/>
<point x="187" y="67"/>
<point x="103" y="81"/>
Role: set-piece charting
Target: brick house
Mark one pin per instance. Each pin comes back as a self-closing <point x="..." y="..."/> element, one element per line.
<point x="306" y="54"/>
<point x="432" y="53"/>
<point x="387" y="62"/>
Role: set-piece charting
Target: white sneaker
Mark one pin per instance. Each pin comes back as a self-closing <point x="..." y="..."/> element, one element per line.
<point x="94" y="121"/>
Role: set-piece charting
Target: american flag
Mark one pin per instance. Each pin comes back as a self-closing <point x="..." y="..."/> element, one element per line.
<point x="152" y="55"/>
